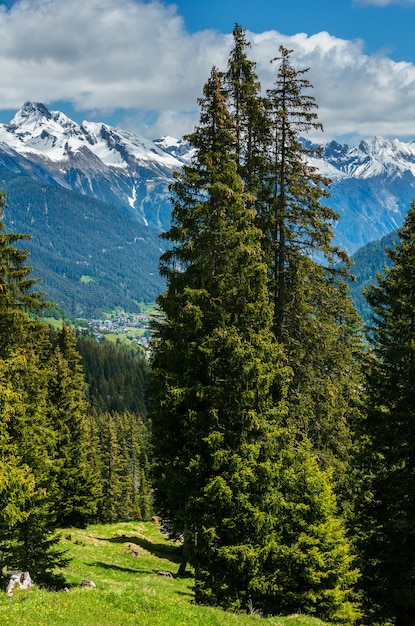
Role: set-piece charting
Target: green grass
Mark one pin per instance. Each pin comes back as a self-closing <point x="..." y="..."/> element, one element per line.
<point x="85" y="279"/>
<point x="129" y="589"/>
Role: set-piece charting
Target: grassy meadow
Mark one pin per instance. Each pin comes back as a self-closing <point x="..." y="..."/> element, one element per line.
<point x="124" y="561"/>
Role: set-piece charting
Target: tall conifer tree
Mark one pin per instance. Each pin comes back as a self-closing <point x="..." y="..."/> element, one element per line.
<point x="31" y="544"/>
<point x="17" y="295"/>
<point x="314" y="317"/>
<point x="249" y="116"/>
<point x="134" y="440"/>
<point x="16" y="478"/>
<point x="296" y="223"/>
<point x="214" y="359"/>
<point x="388" y="459"/>
<point x="311" y="303"/>
<point x="29" y="520"/>
<point x="111" y="507"/>
<point x="77" y="484"/>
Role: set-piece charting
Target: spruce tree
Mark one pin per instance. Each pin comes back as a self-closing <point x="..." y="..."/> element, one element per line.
<point x="214" y="359"/>
<point x="249" y="115"/>
<point x="18" y="296"/>
<point x="296" y="223"/>
<point x="113" y="470"/>
<point x="31" y="544"/>
<point x="309" y="566"/>
<point x="314" y="317"/>
<point x="28" y="520"/>
<point x="16" y="478"/>
<point x="77" y="484"/>
<point x="134" y="444"/>
<point x="313" y="313"/>
<point x="388" y="456"/>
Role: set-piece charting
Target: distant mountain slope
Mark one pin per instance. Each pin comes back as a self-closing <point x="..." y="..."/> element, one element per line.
<point x="94" y="199"/>
<point x="373" y="183"/>
<point x="94" y="159"/>
<point x="90" y="256"/>
<point x="367" y="261"/>
<point x="373" y="187"/>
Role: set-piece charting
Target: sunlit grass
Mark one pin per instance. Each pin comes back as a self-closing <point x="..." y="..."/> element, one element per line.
<point x="85" y="279"/>
<point x="124" y="561"/>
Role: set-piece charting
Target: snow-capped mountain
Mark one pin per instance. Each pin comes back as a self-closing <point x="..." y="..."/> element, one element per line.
<point x="373" y="183"/>
<point x="373" y="187"/>
<point x="374" y="157"/>
<point x="94" y="159"/>
<point x="95" y="198"/>
<point x="37" y="131"/>
<point x="179" y="148"/>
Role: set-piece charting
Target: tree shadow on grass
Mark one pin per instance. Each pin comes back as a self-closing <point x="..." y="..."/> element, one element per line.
<point x="109" y="566"/>
<point x="130" y="570"/>
<point x="161" y="550"/>
<point x="187" y="594"/>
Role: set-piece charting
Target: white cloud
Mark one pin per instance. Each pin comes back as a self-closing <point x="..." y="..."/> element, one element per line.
<point x="385" y="3"/>
<point x="356" y="93"/>
<point x="101" y="53"/>
<point x="136" y="55"/>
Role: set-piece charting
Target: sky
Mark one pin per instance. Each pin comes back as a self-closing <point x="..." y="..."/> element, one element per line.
<point x="141" y="64"/>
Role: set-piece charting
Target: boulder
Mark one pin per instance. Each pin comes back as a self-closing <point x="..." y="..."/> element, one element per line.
<point x="88" y="584"/>
<point x="16" y="577"/>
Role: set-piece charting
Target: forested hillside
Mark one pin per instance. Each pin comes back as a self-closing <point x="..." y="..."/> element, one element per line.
<point x="90" y="256"/>
<point x="367" y="262"/>
<point x="115" y="375"/>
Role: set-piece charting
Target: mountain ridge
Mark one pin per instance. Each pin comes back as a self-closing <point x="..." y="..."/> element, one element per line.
<point x="373" y="185"/>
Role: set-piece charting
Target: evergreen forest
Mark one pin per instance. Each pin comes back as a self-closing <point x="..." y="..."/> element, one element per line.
<point x="74" y="432"/>
<point x="271" y="430"/>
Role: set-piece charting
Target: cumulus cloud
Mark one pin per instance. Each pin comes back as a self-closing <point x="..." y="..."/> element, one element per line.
<point x="102" y="53"/>
<point x="356" y="93"/>
<point x="136" y="56"/>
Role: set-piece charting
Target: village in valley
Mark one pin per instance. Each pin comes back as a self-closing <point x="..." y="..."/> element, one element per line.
<point x="134" y="327"/>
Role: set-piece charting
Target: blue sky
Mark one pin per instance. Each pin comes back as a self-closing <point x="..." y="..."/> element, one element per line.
<point x="141" y="64"/>
<point x="383" y="26"/>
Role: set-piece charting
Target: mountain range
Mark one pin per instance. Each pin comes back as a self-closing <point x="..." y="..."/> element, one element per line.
<point x="94" y="198"/>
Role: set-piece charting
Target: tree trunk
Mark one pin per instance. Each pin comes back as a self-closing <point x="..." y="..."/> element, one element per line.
<point x="185" y="553"/>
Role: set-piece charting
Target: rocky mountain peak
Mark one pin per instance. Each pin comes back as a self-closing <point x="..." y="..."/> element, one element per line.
<point x="41" y="129"/>
<point x="31" y="110"/>
<point x="52" y="134"/>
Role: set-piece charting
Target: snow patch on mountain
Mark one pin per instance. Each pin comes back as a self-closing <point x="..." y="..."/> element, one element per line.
<point x="36" y="130"/>
<point x="119" y="148"/>
<point x="373" y="157"/>
<point x="179" y="148"/>
<point x="328" y="170"/>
